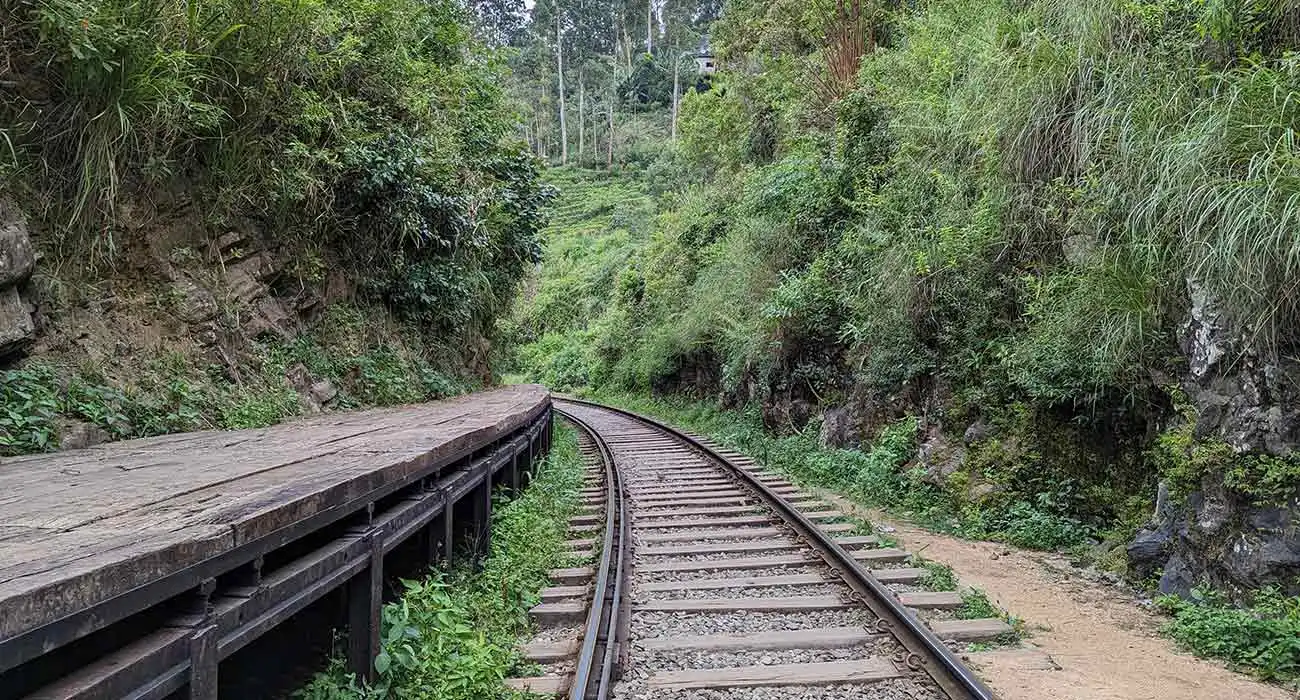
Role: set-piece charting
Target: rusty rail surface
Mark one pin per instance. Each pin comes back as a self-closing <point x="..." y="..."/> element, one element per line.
<point x="594" y="671"/>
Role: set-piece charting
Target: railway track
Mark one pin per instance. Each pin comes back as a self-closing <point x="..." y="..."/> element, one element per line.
<point x="712" y="579"/>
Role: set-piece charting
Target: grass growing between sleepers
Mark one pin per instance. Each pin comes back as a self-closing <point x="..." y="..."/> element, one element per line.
<point x="453" y="634"/>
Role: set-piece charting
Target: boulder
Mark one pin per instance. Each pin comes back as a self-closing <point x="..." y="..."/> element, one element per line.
<point x="194" y="303"/>
<point x="1148" y="551"/>
<point x="17" y="327"/>
<point x="939" y="458"/>
<point x="977" y="432"/>
<point x="314" y="393"/>
<point x="323" y="391"/>
<point x="1178" y="578"/>
<point x="17" y="255"/>
<point x="244" y="287"/>
<point x="984" y="492"/>
<point x="269" y="317"/>
<point x="837" y="428"/>
<point x="80" y="435"/>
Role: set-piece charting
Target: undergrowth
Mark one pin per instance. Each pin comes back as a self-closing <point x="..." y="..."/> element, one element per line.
<point x="1263" y="638"/>
<point x="880" y="476"/>
<point x="173" y="393"/>
<point x="452" y="635"/>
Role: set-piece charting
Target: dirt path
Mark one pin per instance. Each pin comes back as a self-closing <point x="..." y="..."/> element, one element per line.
<point x="1088" y="640"/>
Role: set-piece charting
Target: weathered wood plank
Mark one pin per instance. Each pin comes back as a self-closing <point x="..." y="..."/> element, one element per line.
<point x="82" y="527"/>
<point x="780" y="604"/>
<point x="540" y="685"/>
<point x="970" y="630"/>
<point x="931" y="600"/>
<point x="740" y="533"/>
<point x="550" y="652"/>
<point x="700" y="584"/>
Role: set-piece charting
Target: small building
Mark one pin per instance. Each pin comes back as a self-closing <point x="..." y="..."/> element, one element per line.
<point x="704" y="58"/>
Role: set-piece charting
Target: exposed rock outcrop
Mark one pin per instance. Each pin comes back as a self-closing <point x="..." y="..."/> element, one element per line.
<point x="1219" y="536"/>
<point x="1250" y="402"/>
<point x="17" y="261"/>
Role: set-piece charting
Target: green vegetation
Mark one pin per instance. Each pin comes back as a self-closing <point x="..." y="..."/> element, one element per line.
<point x="1263" y="638"/>
<point x="452" y="635"/>
<point x="878" y="477"/>
<point x="368" y="148"/>
<point x="40" y="401"/>
<point x="938" y="576"/>
<point x="986" y="213"/>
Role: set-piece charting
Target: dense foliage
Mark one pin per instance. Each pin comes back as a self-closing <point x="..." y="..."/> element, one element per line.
<point x="878" y="477"/>
<point x="1004" y="215"/>
<point x="1263" y="638"/>
<point x="452" y="635"/>
<point x="374" y="131"/>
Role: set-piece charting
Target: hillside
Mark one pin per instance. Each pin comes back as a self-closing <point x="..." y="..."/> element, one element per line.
<point x="221" y="216"/>
<point x="1054" y="237"/>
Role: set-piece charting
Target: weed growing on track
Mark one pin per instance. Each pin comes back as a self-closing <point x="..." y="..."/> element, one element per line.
<point x="938" y="577"/>
<point x="452" y="635"/>
<point x="1263" y="639"/>
<point x="977" y="606"/>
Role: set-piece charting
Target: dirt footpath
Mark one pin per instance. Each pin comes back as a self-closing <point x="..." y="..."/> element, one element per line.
<point x="1088" y="640"/>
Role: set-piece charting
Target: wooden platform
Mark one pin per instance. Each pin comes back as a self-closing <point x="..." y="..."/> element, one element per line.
<point x="91" y="536"/>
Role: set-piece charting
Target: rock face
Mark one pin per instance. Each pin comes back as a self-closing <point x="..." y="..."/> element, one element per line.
<point x="17" y="260"/>
<point x="17" y="256"/>
<point x="1249" y="402"/>
<point x="1219" y="536"/>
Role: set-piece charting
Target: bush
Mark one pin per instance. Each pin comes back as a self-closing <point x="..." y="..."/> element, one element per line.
<point x="1263" y="638"/>
<point x="452" y="635"/>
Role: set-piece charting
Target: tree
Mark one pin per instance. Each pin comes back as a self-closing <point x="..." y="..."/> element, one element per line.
<point x="559" y="62"/>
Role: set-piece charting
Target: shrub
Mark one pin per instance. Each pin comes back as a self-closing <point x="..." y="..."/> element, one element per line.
<point x="1263" y="638"/>
<point x="452" y="635"/>
<point x="29" y="405"/>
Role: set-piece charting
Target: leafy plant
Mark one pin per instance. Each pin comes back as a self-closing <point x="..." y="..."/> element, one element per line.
<point x="29" y="403"/>
<point x="452" y="635"/>
<point x="1263" y="638"/>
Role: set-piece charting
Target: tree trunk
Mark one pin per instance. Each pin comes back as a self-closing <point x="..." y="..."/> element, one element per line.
<point x="677" y="93"/>
<point x="627" y="49"/>
<point x="582" y="117"/>
<point x="649" y="26"/>
<point x="559" y="67"/>
<point x="609" y="159"/>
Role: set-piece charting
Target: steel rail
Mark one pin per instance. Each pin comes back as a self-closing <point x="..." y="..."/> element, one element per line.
<point x="921" y="644"/>
<point x="606" y="600"/>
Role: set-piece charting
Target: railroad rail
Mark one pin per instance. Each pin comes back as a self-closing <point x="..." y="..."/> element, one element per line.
<point x="205" y="564"/>
<point x="732" y="579"/>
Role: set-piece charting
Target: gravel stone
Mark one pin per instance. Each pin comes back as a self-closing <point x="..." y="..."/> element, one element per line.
<point x="663" y="624"/>
<point x="830" y="588"/>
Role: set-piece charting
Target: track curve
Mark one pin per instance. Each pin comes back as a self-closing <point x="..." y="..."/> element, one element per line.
<point x="715" y="580"/>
